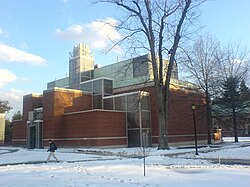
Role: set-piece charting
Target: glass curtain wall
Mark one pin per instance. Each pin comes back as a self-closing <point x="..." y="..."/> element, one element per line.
<point x="136" y="106"/>
<point x="99" y="88"/>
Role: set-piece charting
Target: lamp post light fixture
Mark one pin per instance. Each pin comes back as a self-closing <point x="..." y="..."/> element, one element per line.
<point x="195" y="134"/>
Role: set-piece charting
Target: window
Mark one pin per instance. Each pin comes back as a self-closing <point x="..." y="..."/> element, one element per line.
<point x="145" y="119"/>
<point x="86" y="75"/>
<point x="86" y="87"/>
<point x="140" y="66"/>
<point x="108" y="87"/>
<point x="108" y="104"/>
<point x="145" y="102"/>
<point x="97" y="102"/>
<point x="132" y="120"/>
<point x="120" y="103"/>
<point x="97" y="86"/>
<point x="132" y="102"/>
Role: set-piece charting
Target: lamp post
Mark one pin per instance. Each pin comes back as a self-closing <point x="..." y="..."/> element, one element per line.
<point x="195" y="135"/>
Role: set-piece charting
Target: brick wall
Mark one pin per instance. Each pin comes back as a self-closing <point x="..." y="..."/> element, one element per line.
<point x="19" y="133"/>
<point x="30" y="102"/>
<point x="96" y="128"/>
<point x="81" y="103"/>
<point x="55" y="101"/>
<point x="92" y="128"/>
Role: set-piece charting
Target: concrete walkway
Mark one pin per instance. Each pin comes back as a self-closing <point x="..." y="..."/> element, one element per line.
<point x="226" y="161"/>
<point x="7" y="151"/>
<point x="45" y="162"/>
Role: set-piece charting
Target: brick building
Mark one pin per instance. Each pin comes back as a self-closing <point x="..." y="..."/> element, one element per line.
<point x="113" y="105"/>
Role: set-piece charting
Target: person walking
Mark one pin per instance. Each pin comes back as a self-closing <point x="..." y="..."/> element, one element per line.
<point x="52" y="149"/>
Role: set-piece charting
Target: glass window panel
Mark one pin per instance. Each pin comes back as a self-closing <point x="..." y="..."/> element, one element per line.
<point x="108" y="87"/>
<point x="132" y="102"/>
<point x="83" y="79"/>
<point x="146" y="138"/>
<point x="108" y="104"/>
<point x="145" y="119"/>
<point x="77" y="70"/>
<point x="97" y="86"/>
<point x="97" y="102"/>
<point x="120" y="103"/>
<point x="140" y="66"/>
<point x="86" y="75"/>
<point x="133" y="120"/>
<point x="87" y="87"/>
<point x="77" y="63"/>
<point x="145" y="102"/>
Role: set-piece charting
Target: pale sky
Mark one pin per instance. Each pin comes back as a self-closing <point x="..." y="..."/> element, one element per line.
<point x="37" y="36"/>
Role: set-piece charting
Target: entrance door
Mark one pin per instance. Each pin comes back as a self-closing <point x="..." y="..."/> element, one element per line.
<point x="39" y="132"/>
<point x="35" y="135"/>
<point x="32" y="137"/>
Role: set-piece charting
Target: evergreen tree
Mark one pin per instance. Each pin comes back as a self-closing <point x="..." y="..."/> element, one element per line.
<point x="17" y="116"/>
<point x="245" y="91"/>
<point x="233" y="101"/>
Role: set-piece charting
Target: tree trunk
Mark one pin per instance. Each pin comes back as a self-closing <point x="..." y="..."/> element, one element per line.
<point x="209" y="117"/>
<point x="235" y="125"/>
<point x="163" y="118"/>
<point x="164" y="90"/>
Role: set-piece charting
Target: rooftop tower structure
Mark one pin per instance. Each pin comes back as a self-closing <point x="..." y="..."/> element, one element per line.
<point x="80" y="60"/>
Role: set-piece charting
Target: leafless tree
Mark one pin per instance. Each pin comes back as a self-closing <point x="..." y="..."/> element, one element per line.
<point x="234" y="68"/>
<point x="201" y="61"/>
<point x="156" y="27"/>
<point x="233" y="62"/>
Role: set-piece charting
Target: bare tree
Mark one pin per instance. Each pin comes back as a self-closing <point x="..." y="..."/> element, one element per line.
<point x="201" y="61"/>
<point x="157" y="28"/>
<point x="233" y="62"/>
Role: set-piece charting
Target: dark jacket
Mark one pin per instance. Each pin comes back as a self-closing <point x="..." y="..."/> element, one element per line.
<point x="52" y="147"/>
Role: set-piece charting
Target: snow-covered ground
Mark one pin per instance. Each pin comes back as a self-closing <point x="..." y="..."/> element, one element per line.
<point x="119" y="167"/>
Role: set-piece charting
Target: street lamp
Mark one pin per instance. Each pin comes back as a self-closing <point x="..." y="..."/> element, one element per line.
<point x="195" y="135"/>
